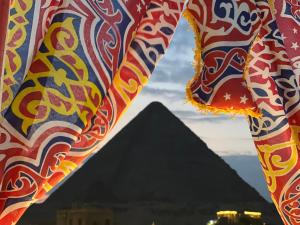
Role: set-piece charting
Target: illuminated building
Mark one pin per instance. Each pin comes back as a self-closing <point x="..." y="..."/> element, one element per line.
<point x="230" y="217"/>
<point x="255" y="215"/>
<point x="84" y="216"/>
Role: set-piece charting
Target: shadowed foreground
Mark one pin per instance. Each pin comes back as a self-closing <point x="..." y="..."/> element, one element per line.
<point x="155" y="169"/>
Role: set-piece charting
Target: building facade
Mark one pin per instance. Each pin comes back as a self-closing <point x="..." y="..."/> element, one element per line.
<point x="84" y="216"/>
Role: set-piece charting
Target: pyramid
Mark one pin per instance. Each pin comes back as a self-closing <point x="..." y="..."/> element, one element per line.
<point x="155" y="161"/>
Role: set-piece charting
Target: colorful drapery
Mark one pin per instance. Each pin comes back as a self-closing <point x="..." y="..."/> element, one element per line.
<point x="71" y="68"/>
<point x="28" y="23"/>
<point x="66" y="83"/>
<point x="4" y="12"/>
<point x="223" y="42"/>
<point x="270" y="74"/>
<point x="151" y="39"/>
<point x="288" y="19"/>
<point x="273" y="69"/>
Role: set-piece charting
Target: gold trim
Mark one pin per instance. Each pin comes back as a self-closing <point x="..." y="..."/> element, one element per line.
<point x="198" y="64"/>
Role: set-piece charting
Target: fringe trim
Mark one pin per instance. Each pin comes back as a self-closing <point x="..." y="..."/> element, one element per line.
<point x="198" y="64"/>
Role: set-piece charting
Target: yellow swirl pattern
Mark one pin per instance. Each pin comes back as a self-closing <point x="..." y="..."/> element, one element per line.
<point x="273" y="164"/>
<point x="83" y="96"/>
<point x="132" y="86"/>
<point x="15" y="39"/>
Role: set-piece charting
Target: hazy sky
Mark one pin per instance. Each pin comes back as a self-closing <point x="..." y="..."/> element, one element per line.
<point x="223" y="134"/>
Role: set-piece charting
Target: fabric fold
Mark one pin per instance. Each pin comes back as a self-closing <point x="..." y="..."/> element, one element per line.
<point x="270" y="76"/>
<point x="69" y="76"/>
<point x="151" y="40"/>
<point x="28" y="24"/>
<point x="222" y="46"/>
<point x="4" y="18"/>
<point x="71" y="68"/>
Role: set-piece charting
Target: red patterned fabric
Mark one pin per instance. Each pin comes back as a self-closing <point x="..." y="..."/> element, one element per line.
<point x="288" y="19"/>
<point x="71" y="69"/>
<point x="128" y="82"/>
<point x="4" y="12"/>
<point x="271" y="76"/>
<point x="274" y="83"/>
<point x="28" y="23"/>
<point x="223" y="43"/>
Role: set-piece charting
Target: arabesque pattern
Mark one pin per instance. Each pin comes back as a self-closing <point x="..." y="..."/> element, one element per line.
<point x="72" y="67"/>
<point x="93" y="60"/>
<point x="271" y="81"/>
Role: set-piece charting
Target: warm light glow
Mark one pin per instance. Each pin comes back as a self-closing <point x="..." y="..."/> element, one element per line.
<point x="224" y="213"/>
<point x="212" y="222"/>
<point x="253" y="214"/>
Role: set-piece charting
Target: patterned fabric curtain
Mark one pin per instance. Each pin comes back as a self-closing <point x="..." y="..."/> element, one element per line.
<point x="241" y="46"/>
<point x="4" y="17"/>
<point x="72" y="67"/>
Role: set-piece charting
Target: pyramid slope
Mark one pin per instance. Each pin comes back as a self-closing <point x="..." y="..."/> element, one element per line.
<point x="155" y="158"/>
<point x="160" y="158"/>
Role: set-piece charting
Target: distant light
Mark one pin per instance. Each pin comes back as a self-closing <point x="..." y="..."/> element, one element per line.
<point x="224" y="213"/>
<point x="212" y="222"/>
<point x="253" y="214"/>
